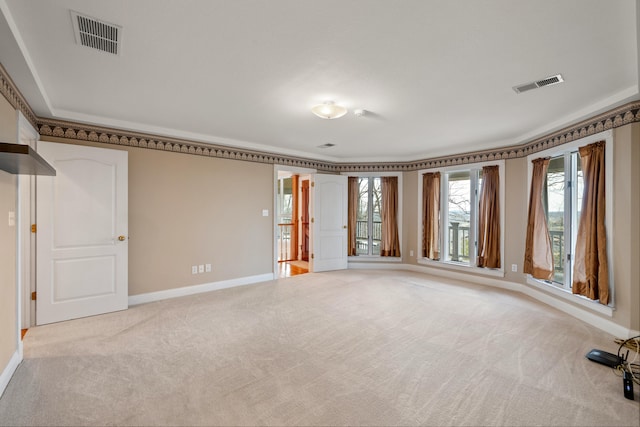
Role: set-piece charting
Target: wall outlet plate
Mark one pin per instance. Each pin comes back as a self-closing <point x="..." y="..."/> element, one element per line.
<point x="201" y="268"/>
<point x="194" y="269"/>
<point x="207" y="268"/>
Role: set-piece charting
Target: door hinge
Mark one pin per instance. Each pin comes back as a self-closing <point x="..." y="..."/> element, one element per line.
<point x="34" y="296"/>
<point x="313" y="184"/>
<point x="34" y="228"/>
<point x="312" y="257"/>
<point x="313" y="220"/>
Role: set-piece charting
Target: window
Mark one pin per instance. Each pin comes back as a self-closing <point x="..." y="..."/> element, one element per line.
<point x="369" y="221"/>
<point x="561" y="197"/>
<point x="374" y="209"/>
<point x="460" y="190"/>
<point x="562" y="200"/>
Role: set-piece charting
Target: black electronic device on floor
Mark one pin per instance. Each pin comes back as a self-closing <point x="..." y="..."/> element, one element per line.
<point x="627" y="383"/>
<point x="609" y="359"/>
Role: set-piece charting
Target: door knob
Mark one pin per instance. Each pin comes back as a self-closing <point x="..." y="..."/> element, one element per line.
<point x="121" y="238"/>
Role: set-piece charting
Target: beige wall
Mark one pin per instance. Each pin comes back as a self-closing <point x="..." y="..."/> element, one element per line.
<point x="626" y="229"/>
<point x="187" y="210"/>
<point x="410" y="207"/>
<point x="8" y="296"/>
<point x="626" y="225"/>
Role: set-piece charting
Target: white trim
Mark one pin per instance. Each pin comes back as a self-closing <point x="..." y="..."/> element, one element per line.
<point x="9" y="370"/>
<point x="566" y="295"/>
<point x="198" y="289"/>
<point x="573" y="310"/>
<point x="25" y="250"/>
<point x="450" y="265"/>
<point x="302" y="172"/>
<point x="374" y="259"/>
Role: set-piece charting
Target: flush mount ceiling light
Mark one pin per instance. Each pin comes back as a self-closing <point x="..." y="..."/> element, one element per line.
<point x="328" y="110"/>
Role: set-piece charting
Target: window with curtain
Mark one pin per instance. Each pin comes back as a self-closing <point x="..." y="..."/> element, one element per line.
<point x="577" y="242"/>
<point x="367" y="211"/>
<point x="458" y="219"/>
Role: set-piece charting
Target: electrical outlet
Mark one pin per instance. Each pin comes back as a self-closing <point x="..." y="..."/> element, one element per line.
<point x="201" y="268"/>
<point x="194" y="269"/>
<point x="207" y="268"/>
<point x="514" y="268"/>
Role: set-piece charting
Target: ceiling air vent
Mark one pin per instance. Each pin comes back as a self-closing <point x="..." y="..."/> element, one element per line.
<point x="547" y="81"/>
<point x="96" y="34"/>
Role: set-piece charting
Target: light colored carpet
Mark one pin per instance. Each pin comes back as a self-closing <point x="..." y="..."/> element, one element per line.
<point x="339" y="348"/>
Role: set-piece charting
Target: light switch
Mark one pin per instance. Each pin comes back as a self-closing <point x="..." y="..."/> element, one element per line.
<point x="265" y="212"/>
<point x="12" y="219"/>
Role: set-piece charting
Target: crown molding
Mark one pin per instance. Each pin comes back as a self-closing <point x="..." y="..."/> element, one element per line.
<point x="620" y="116"/>
<point x="11" y="93"/>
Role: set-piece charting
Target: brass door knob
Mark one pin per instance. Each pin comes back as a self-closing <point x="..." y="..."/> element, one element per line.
<point x="122" y="238"/>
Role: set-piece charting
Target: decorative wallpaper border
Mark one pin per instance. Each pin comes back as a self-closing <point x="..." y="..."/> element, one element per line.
<point x="82" y="132"/>
<point x="11" y="93"/>
<point x="620" y="116"/>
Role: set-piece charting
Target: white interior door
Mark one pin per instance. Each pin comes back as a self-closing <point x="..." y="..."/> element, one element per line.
<point x="328" y="207"/>
<point x="81" y="233"/>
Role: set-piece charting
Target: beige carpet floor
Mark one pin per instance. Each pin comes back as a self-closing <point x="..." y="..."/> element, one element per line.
<point x="339" y="348"/>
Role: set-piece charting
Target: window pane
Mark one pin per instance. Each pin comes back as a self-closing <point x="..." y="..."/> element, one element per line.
<point x="376" y="235"/>
<point x="362" y="222"/>
<point x="459" y="219"/>
<point x="579" y="187"/>
<point x="555" y="186"/>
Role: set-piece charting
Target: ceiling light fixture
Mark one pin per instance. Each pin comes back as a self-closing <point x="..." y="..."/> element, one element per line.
<point x="328" y="110"/>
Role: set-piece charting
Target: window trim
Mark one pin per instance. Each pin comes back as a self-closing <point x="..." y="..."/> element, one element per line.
<point x="470" y="268"/>
<point x="378" y="258"/>
<point x="560" y="150"/>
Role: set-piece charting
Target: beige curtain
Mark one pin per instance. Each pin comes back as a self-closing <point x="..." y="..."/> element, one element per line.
<point x="352" y="214"/>
<point x="489" y="219"/>
<point x="538" y="259"/>
<point x="590" y="271"/>
<point x="390" y="239"/>
<point x="294" y="216"/>
<point x="431" y="215"/>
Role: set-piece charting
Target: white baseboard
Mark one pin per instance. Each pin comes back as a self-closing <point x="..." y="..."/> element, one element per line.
<point x="197" y="289"/>
<point x="578" y="312"/>
<point x="8" y="371"/>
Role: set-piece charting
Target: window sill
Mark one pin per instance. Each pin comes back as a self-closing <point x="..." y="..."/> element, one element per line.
<point x="374" y="258"/>
<point x="569" y="296"/>
<point x="459" y="267"/>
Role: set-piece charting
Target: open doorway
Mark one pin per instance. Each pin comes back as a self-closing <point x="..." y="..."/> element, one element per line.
<point x="292" y="223"/>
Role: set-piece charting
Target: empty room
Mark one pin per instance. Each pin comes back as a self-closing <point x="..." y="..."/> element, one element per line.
<point x="357" y="212"/>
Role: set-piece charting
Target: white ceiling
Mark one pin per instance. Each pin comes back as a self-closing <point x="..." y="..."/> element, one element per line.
<point x="435" y="77"/>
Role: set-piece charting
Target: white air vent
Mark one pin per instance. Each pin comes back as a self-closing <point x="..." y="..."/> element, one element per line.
<point x="547" y="81"/>
<point x="96" y="34"/>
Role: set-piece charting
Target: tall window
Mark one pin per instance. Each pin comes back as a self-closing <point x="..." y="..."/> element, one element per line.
<point x="459" y="213"/>
<point x="369" y="220"/>
<point x="460" y="195"/>
<point x="562" y="199"/>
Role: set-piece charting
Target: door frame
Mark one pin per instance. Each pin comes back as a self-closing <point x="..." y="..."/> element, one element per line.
<point x="25" y="259"/>
<point x="276" y="170"/>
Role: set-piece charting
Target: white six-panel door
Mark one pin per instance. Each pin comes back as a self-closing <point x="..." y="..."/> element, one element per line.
<point x="329" y="216"/>
<point x="82" y="233"/>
